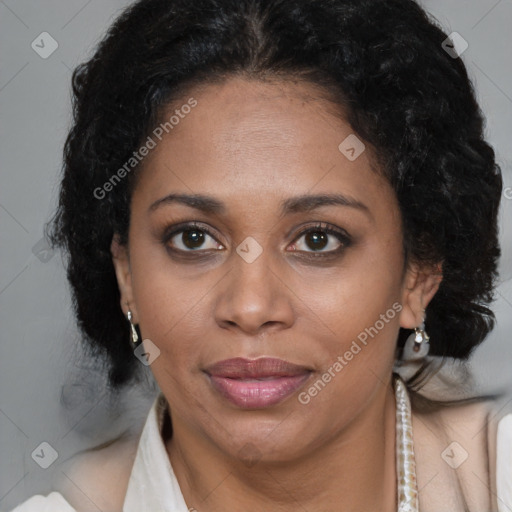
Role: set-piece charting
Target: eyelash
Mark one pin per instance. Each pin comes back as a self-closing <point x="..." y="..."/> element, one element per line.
<point x="341" y="235"/>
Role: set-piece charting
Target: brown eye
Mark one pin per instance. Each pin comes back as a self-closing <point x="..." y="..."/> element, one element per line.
<point x="190" y="238"/>
<point x="321" y="237"/>
<point x="316" y="240"/>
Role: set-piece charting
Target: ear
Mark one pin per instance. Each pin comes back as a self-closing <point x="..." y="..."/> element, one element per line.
<point x="121" y="261"/>
<point x="420" y="285"/>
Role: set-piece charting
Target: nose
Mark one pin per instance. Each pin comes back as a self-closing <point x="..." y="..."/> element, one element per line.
<point x="254" y="297"/>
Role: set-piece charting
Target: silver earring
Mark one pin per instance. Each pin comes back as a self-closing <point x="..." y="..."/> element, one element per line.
<point x="417" y="344"/>
<point x="135" y="336"/>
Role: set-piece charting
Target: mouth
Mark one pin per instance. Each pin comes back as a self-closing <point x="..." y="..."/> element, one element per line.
<point x="256" y="383"/>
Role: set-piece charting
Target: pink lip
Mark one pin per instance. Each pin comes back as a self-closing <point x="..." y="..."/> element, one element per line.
<point x="256" y="383"/>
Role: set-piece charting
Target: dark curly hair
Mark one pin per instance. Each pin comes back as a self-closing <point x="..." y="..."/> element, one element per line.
<point x="382" y="60"/>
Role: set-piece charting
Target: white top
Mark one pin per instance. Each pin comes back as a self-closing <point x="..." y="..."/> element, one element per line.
<point x="153" y="485"/>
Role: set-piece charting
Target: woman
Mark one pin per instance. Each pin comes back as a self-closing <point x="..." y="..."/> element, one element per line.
<point x="276" y="206"/>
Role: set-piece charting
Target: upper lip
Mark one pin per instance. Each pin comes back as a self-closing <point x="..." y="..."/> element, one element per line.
<point x="241" y="368"/>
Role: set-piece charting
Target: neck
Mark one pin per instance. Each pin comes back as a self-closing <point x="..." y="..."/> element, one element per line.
<point x="355" y="470"/>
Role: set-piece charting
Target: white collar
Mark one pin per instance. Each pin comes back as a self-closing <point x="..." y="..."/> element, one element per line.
<point x="153" y="485"/>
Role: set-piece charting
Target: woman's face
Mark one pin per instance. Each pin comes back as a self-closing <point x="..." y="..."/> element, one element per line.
<point x="256" y="277"/>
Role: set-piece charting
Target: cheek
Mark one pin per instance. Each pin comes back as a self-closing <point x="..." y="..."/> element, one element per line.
<point x="167" y="298"/>
<point x="356" y="350"/>
<point x="353" y="296"/>
<point x="168" y="316"/>
<point x="356" y="316"/>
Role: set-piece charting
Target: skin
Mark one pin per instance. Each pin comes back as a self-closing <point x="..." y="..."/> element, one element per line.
<point x="252" y="145"/>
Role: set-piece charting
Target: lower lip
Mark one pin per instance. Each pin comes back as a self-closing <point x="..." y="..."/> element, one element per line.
<point x="257" y="394"/>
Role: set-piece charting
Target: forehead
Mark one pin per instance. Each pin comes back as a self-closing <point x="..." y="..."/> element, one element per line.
<point x="250" y="143"/>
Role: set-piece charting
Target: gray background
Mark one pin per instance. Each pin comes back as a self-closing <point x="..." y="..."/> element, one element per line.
<point x="48" y="391"/>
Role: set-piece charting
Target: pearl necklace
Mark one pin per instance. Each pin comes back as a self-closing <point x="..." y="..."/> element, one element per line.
<point x="405" y="463"/>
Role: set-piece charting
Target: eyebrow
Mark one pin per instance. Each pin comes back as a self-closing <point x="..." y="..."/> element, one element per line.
<point x="304" y="203"/>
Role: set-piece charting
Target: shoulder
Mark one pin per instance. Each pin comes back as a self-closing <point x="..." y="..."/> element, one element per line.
<point x="455" y="449"/>
<point x="98" y="478"/>
<point x="459" y="418"/>
<point x="464" y="431"/>
<point x="504" y="461"/>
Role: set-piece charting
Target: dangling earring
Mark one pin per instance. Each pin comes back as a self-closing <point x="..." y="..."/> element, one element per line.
<point x="417" y="344"/>
<point x="135" y="336"/>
